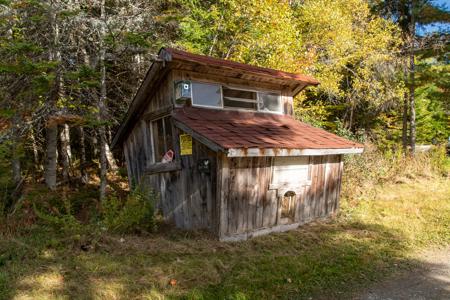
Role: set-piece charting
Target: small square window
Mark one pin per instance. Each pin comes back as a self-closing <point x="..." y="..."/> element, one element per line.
<point x="269" y="102"/>
<point x="204" y="94"/>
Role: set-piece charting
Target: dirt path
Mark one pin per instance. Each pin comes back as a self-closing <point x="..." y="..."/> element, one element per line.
<point x="429" y="281"/>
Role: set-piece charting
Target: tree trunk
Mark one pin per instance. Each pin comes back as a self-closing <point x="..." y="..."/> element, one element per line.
<point x="66" y="152"/>
<point x="101" y="103"/>
<point x="94" y="143"/>
<point x="110" y="157"/>
<point x="36" y="161"/>
<point x="15" y="160"/>
<point x="83" y="171"/>
<point x="412" y="128"/>
<point x="51" y="157"/>
<point x="405" y="141"/>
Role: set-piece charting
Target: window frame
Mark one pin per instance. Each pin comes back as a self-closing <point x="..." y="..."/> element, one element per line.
<point x="152" y="136"/>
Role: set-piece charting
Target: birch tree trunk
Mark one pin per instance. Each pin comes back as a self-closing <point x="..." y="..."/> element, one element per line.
<point x="37" y="164"/>
<point x="84" y="174"/>
<point x="15" y="160"/>
<point x="66" y="152"/>
<point x="110" y="158"/>
<point x="51" y="136"/>
<point x="51" y="132"/>
<point x="101" y="103"/>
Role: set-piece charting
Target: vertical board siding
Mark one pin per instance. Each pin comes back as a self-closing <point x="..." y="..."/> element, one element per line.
<point x="138" y="141"/>
<point x="188" y="196"/>
<point x="248" y="205"/>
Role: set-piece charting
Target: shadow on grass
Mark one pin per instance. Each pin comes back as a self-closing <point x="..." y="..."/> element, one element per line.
<point x="321" y="260"/>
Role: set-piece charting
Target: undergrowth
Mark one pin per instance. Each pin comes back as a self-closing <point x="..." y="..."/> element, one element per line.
<point x="364" y="173"/>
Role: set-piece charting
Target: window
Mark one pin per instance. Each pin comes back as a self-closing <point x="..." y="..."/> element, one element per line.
<point x="215" y="95"/>
<point x="234" y="98"/>
<point x="290" y="171"/>
<point x="269" y="102"/>
<point x="205" y="94"/>
<point x="162" y="137"/>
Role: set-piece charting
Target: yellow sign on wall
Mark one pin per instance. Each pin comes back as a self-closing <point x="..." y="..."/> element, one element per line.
<point x="185" y="144"/>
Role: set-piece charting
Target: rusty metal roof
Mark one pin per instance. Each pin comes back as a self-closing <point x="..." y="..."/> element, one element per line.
<point x="221" y="63"/>
<point x="240" y="129"/>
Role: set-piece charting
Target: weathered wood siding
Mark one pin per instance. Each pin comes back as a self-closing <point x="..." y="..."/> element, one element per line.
<point x="136" y="146"/>
<point x="188" y="196"/>
<point x="248" y="205"/>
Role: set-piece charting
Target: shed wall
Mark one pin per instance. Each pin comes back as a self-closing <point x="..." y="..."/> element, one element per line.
<point x="188" y="196"/>
<point x="138" y="143"/>
<point x="247" y="205"/>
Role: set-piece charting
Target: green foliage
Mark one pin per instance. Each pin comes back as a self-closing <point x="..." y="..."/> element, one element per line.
<point x="136" y="213"/>
<point x="61" y="218"/>
<point x="432" y="94"/>
<point x="353" y="53"/>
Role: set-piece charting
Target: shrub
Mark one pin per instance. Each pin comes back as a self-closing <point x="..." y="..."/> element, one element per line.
<point x="61" y="218"/>
<point x="135" y="214"/>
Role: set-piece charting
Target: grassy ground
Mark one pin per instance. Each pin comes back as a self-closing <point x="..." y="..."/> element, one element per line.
<point x="369" y="239"/>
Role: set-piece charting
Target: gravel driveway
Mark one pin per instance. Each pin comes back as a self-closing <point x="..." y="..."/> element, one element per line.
<point x="429" y="281"/>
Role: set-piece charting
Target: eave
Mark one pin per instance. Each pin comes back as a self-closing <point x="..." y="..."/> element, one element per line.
<point x="257" y="152"/>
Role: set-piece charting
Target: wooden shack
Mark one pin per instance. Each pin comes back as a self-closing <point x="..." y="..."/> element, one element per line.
<point x="216" y="139"/>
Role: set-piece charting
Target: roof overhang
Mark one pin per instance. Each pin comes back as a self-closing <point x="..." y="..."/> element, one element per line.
<point x="257" y="152"/>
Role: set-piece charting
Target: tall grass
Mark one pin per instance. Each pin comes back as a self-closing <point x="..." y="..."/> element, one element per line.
<point x="364" y="173"/>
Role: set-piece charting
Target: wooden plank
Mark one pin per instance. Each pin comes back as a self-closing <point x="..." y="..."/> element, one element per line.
<point x="163" y="167"/>
<point x="325" y="194"/>
<point x="300" y="205"/>
<point x="223" y="193"/>
<point x="339" y="183"/>
<point x="127" y="162"/>
<point x="262" y="187"/>
<point x="241" y="197"/>
<point x="232" y="224"/>
<point x="255" y="152"/>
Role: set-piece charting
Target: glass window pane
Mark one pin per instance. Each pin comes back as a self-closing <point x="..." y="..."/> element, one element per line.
<point x="249" y="95"/>
<point x="270" y="102"/>
<point x="168" y="133"/>
<point x="158" y="139"/>
<point x="204" y="94"/>
<point x="239" y="104"/>
<point x="233" y="98"/>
